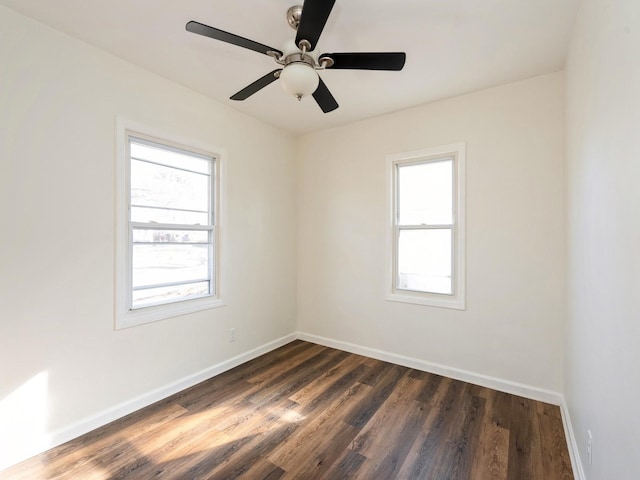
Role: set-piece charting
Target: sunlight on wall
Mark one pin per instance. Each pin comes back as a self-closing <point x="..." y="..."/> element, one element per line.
<point x="23" y="421"/>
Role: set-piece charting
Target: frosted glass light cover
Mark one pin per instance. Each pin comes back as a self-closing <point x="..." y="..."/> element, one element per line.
<point x="299" y="79"/>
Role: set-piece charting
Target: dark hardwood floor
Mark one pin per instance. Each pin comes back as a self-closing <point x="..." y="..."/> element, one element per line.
<point x="306" y="411"/>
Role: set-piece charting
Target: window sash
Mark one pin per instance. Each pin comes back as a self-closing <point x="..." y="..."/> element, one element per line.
<point x="398" y="227"/>
<point x="132" y="226"/>
<point x="396" y="273"/>
<point x="417" y="162"/>
<point x="185" y="228"/>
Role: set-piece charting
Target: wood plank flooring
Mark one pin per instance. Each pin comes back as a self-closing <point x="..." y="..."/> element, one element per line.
<point x="305" y="411"/>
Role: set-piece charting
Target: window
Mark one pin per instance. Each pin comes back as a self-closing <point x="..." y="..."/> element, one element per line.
<point x="427" y="227"/>
<point x="167" y="229"/>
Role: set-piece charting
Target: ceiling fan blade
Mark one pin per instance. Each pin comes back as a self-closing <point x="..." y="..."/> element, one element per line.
<point x="259" y="84"/>
<point x="324" y="99"/>
<point x="207" y="31"/>
<point x="314" y="16"/>
<point x="367" y="60"/>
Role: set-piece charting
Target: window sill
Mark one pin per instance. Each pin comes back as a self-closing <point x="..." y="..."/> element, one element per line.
<point x="430" y="301"/>
<point x="132" y="318"/>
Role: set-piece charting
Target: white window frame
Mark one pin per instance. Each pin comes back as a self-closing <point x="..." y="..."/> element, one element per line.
<point x="125" y="316"/>
<point x="456" y="300"/>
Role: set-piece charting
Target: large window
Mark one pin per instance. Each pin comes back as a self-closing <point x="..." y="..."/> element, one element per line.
<point x="168" y="263"/>
<point x="427" y="227"/>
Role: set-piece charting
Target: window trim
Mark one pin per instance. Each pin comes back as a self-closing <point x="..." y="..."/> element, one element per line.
<point x="124" y="316"/>
<point x="457" y="300"/>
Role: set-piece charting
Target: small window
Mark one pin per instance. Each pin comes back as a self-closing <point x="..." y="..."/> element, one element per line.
<point x="427" y="248"/>
<point x="168" y="253"/>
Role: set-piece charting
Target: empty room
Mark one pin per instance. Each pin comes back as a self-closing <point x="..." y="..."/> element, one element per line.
<point x="345" y="239"/>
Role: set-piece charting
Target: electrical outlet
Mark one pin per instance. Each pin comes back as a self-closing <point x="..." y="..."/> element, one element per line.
<point x="232" y="334"/>
<point x="590" y="446"/>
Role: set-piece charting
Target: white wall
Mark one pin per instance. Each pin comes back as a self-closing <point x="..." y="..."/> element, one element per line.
<point x="512" y="328"/>
<point x="59" y="99"/>
<point x="602" y="379"/>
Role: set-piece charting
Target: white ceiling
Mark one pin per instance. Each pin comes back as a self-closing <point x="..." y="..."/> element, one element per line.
<point x="452" y="46"/>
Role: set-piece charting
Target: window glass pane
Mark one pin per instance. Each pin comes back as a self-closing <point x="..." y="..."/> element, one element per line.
<point x="160" y="186"/>
<point x="158" y="264"/>
<point x="424" y="261"/>
<point x="142" y="298"/>
<point x="142" y="235"/>
<point x="164" y="215"/>
<point x="169" y="157"/>
<point x="425" y="193"/>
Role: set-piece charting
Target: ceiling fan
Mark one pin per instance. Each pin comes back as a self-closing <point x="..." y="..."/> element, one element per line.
<point x="298" y="60"/>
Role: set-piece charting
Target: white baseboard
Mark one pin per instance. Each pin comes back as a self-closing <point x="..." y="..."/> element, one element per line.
<point x="506" y="386"/>
<point x="574" y="453"/>
<point x="125" y="408"/>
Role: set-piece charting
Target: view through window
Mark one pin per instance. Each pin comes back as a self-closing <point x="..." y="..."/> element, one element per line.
<point x="171" y="223"/>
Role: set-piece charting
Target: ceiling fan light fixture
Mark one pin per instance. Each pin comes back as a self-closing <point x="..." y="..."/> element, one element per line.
<point x="299" y="79"/>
